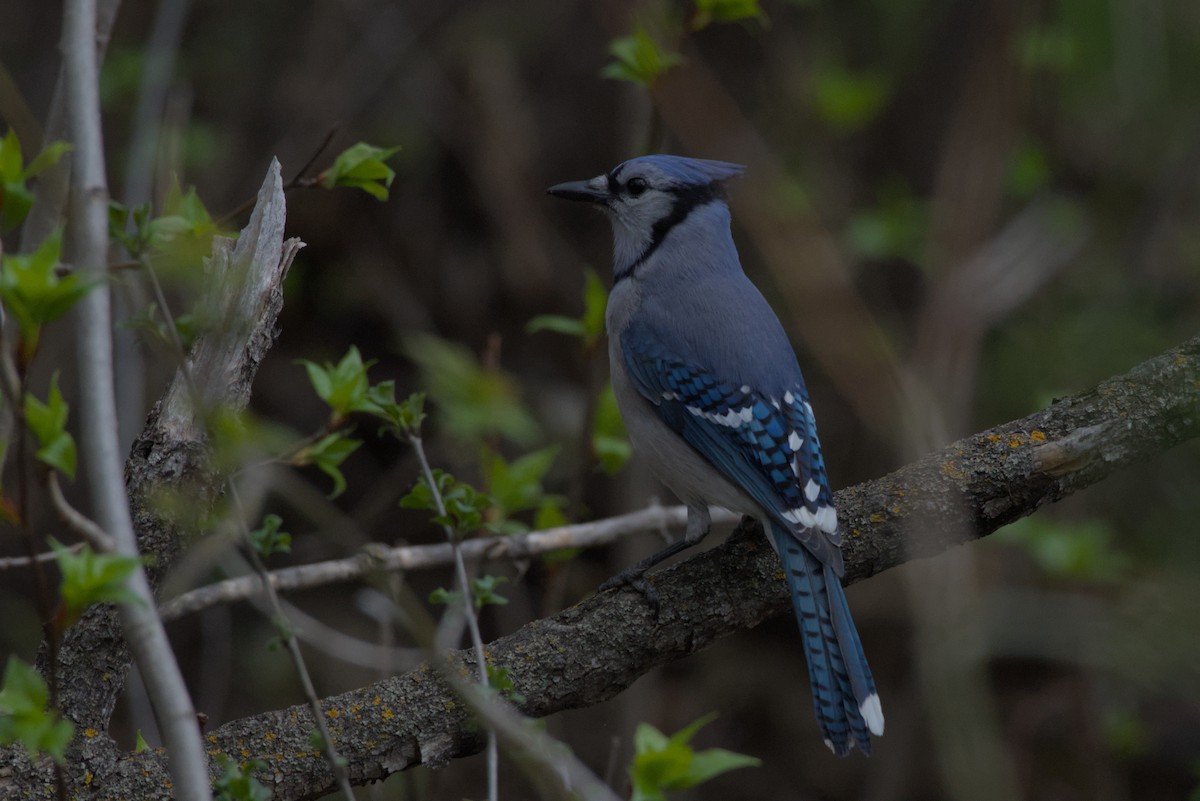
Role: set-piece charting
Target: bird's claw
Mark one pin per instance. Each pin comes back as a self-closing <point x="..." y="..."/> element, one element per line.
<point x="635" y="580"/>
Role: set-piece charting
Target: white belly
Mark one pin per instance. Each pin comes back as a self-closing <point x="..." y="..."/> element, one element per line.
<point x="676" y="464"/>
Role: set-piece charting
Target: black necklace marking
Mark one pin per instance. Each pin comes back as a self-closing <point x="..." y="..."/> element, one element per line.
<point x="687" y="198"/>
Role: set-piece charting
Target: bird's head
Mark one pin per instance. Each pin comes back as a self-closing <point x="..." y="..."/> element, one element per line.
<point x="648" y="196"/>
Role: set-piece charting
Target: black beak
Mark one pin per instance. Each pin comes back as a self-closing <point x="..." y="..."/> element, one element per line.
<point x="579" y="190"/>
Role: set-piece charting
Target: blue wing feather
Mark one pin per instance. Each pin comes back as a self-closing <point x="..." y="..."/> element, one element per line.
<point x="749" y="437"/>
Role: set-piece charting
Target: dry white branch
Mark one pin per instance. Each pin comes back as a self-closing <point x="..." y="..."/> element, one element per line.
<point x="89" y="245"/>
<point x="381" y="559"/>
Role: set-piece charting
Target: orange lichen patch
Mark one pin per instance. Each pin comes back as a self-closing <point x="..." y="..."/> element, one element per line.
<point x="245" y="752"/>
<point x="1037" y="436"/>
<point x="377" y="701"/>
<point x="90" y="732"/>
<point x="87" y="777"/>
<point x="1180" y="360"/>
<point x="854" y="532"/>
<point x="388" y="714"/>
<point x="269" y="735"/>
<point x="356" y="710"/>
<point x="332" y="713"/>
<point x="1016" y="441"/>
<point x="877" y="518"/>
<point x="993" y="438"/>
<point x="212" y="738"/>
<point x="952" y="470"/>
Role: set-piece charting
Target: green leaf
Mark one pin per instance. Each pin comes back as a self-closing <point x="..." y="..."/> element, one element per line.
<point x="846" y="100"/>
<point x="1083" y="550"/>
<point x="361" y="166"/>
<point x="549" y="514"/>
<point x="139" y="743"/>
<point x="500" y="680"/>
<point x="465" y="505"/>
<point x="441" y="595"/>
<point x="483" y="591"/>
<point x="327" y="454"/>
<point x="590" y="325"/>
<point x="32" y="290"/>
<point x="404" y="417"/>
<point x="24" y="717"/>
<point x="517" y="486"/>
<point x="268" y="539"/>
<point x="92" y="578"/>
<point x="474" y="402"/>
<point x="11" y="160"/>
<point x="713" y="762"/>
<point x="664" y="763"/>
<point x="595" y="302"/>
<point x="639" y="59"/>
<point x="182" y="237"/>
<point x="709" y="11"/>
<point x="1028" y="170"/>
<point x="15" y="202"/>
<point x="48" y="422"/>
<point x="556" y="323"/>
<point x="1053" y="49"/>
<point x="236" y="782"/>
<point x="344" y="386"/>
<point x="50" y="155"/>
<point x="610" y="443"/>
<point x="895" y="227"/>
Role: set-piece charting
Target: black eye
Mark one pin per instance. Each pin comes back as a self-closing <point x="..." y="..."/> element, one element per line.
<point x="636" y="186"/>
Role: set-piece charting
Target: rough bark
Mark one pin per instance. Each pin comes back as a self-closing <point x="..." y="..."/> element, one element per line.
<point x="594" y="650"/>
<point x="171" y="454"/>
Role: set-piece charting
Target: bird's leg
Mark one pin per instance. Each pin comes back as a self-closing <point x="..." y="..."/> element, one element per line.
<point x="698" y="524"/>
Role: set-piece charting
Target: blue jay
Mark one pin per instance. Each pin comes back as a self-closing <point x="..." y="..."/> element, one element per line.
<point x="713" y="399"/>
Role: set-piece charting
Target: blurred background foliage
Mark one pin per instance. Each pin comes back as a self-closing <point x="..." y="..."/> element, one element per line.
<point x="961" y="209"/>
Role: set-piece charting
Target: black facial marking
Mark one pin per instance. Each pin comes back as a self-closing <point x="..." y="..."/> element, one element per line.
<point x="686" y="199"/>
<point x="614" y="184"/>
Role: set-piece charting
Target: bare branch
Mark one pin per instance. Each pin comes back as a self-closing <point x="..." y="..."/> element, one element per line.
<point x="82" y="525"/>
<point x="405" y="558"/>
<point x="89" y="242"/>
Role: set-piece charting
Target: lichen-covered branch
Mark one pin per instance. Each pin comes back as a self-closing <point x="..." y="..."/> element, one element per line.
<point x="596" y="649"/>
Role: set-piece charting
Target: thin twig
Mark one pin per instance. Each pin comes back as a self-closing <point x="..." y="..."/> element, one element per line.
<point x="89" y="245"/>
<point x="14" y="562"/>
<point x="468" y="608"/>
<point x="79" y="522"/>
<point x="336" y="762"/>
<point x="379" y="559"/>
<point x="297" y="182"/>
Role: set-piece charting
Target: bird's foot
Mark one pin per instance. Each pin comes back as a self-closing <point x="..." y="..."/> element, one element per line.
<point x="635" y="580"/>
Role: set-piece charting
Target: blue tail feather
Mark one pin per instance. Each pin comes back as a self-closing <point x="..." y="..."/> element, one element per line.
<point x="844" y="697"/>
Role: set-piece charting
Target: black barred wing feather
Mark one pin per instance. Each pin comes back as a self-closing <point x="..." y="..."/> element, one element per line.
<point x="766" y="445"/>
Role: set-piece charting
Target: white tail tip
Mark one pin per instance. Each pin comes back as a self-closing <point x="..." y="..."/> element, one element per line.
<point x="872" y="713"/>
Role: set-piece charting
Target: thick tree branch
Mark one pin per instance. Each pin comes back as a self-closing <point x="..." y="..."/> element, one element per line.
<point x="597" y="648"/>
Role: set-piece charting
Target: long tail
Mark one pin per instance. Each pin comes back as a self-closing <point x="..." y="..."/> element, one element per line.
<point x="844" y="696"/>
